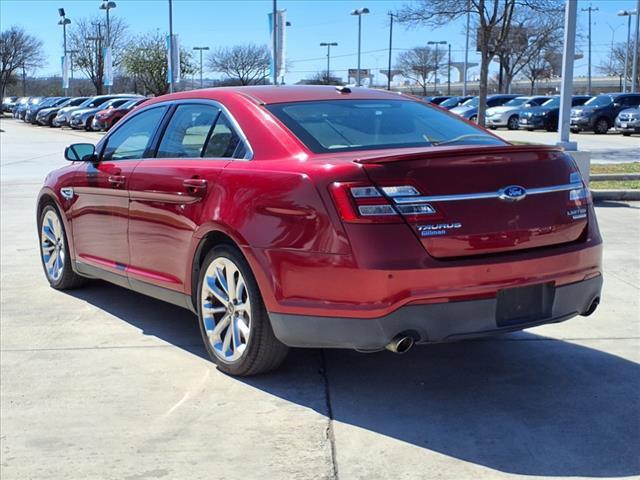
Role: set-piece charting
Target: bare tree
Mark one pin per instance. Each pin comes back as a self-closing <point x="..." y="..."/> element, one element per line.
<point x="322" y="78"/>
<point x="418" y="64"/>
<point x="537" y="68"/>
<point x="615" y="66"/>
<point x="18" y="51"/>
<point x="492" y="20"/>
<point x="145" y="58"/>
<point x="87" y="37"/>
<point x="245" y="64"/>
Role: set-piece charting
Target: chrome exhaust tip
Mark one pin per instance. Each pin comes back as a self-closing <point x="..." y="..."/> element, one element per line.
<point x="400" y="344"/>
<point x="592" y="307"/>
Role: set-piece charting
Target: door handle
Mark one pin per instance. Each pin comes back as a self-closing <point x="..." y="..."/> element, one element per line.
<point x="116" y="180"/>
<point x="195" y="185"/>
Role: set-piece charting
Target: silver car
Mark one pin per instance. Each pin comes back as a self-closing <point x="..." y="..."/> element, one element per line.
<point x="508" y="115"/>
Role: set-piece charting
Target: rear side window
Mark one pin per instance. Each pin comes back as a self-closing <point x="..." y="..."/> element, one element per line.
<point x="187" y="131"/>
<point x="344" y="125"/>
<point x="224" y="140"/>
<point x="132" y="138"/>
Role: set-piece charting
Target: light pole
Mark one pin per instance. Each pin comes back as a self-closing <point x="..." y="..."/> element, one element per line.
<point x="71" y="52"/>
<point x="435" y="80"/>
<point x="634" y="72"/>
<point x="391" y="15"/>
<point x="449" y="71"/>
<point x="359" y="12"/>
<point x="466" y="51"/>
<point x="627" y="13"/>
<point x="329" y="45"/>
<point x="106" y="6"/>
<point x="589" y="9"/>
<point x="64" y="21"/>
<point x="613" y="38"/>
<point x="171" y="69"/>
<point x="201" y="49"/>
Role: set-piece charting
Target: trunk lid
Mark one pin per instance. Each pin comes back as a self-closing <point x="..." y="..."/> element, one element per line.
<point x="488" y="199"/>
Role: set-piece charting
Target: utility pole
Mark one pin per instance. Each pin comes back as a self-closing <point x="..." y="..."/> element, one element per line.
<point x="359" y="12"/>
<point x="24" y="81"/>
<point x="435" y="79"/>
<point x="634" y="73"/>
<point x="71" y="52"/>
<point x="274" y="25"/>
<point x="391" y="15"/>
<point x="589" y="9"/>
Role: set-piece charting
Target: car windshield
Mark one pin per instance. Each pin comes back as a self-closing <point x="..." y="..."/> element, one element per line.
<point x="514" y="102"/>
<point x="472" y="102"/>
<point x="93" y="102"/>
<point x="451" y="102"/>
<point x="599" y="101"/>
<point x="128" y="104"/>
<point x="346" y="125"/>
<point x="552" y="102"/>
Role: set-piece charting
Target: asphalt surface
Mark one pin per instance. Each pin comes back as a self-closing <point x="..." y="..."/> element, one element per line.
<point x="103" y="383"/>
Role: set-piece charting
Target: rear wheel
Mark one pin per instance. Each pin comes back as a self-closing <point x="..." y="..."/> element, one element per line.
<point x="473" y="118"/>
<point x="512" y="123"/>
<point x="626" y="134"/>
<point x="54" y="251"/>
<point x="87" y="126"/>
<point x="234" y="322"/>
<point x="601" y="126"/>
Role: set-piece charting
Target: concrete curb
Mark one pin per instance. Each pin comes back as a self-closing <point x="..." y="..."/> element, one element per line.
<point x="603" y="177"/>
<point x="629" y="195"/>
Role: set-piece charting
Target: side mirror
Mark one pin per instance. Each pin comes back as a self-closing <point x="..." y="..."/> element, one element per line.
<point x="617" y="104"/>
<point x="80" y="152"/>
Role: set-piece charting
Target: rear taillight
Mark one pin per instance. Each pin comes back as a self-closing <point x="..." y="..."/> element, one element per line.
<point x="360" y="203"/>
<point x="581" y="195"/>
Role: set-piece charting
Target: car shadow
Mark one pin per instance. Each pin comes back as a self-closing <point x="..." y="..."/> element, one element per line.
<point x="614" y="204"/>
<point x="520" y="403"/>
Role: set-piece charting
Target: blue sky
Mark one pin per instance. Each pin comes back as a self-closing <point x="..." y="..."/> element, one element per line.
<point x="227" y="22"/>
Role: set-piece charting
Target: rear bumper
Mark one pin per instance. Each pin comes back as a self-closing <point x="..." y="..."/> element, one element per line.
<point x="427" y="323"/>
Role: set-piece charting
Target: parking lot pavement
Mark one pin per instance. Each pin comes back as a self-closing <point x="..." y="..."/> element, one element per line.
<point x="105" y="383"/>
<point x="610" y="148"/>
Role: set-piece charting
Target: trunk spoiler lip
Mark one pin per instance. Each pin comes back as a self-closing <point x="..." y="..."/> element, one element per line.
<point x="440" y="152"/>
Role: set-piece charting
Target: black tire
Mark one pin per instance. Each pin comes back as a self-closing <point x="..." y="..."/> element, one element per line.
<point x="513" y="122"/>
<point x="50" y="122"/>
<point x="473" y="118"/>
<point x="69" y="279"/>
<point x="551" y="128"/>
<point x="626" y="134"/>
<point x="493" y="127"/>
<point x="263" y="352"/>
<point x="530" y="129"/>
<point x="87" y="126"/>
<point x="574" y="130"/>
<point x="601" y="126"/>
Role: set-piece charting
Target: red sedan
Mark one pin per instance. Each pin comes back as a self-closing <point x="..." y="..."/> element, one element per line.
<point x="107" y="118"/>
<point x="323" y="217"/>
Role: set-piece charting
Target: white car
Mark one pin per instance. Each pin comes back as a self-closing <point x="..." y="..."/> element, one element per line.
<point x="508" y="115"/>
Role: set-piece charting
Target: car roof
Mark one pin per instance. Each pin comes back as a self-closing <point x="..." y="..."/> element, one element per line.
<point x="269" y="94"/>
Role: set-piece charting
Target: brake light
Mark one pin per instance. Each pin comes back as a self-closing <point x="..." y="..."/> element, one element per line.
<point x="359" y="203"/>
<point x="580" y="196"/>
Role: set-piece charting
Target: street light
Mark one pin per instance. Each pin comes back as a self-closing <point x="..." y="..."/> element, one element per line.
<point x="589" y="9"/>
<point x="106" y="5"/>
<point x="201" y="49"/>
<point x="627" y="13"/>
<point x="359" y="12"/>
<point x="435" y="81"/>
<point x="64" y="21"/>
<point x="328" y="45"/>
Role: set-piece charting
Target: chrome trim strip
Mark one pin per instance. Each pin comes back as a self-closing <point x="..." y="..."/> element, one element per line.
<point x="483" y="195"/>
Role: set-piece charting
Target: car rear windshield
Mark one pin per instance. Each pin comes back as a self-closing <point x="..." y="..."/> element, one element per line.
<point x="344" y="125"/>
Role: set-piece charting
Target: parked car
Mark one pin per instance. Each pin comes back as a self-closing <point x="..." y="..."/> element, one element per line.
<point x="83" y="117"/>
<point x="628" y="121"/>
<point x="546" y="115"/>
<point x="64" y="115"/>
<point x="17" y="103"/>
<point x="309" y="216"/>
<point x="598" y="114"/>
<point x="106" y="118"/>
<point x="469" y="109"/>
<point x="455" y="101"/>
<point x="21" y="109"/>
<point x="46" y="116"/>
<point x="437" y="100"/>
<point x="8" y="103"/>
<point x="32" y="112"/>
<point x="508" y="114"/>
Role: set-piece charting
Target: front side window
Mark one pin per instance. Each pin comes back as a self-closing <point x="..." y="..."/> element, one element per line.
<point x="187" y="131"/>
<point x="132" y="138"/>
<point x="345" y="125"/>
<point x="599" y="101"/>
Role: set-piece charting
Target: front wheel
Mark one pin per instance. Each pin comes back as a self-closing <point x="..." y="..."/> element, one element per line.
<point x="512" y="123"/>
<point x="54" y="251"/>
<point x="234" y="323"/>
<point x="601" y="126"/>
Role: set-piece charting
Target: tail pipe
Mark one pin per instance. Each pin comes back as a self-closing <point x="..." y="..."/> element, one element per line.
<point x="400" y="344"/>
<point x="592" y="307"/>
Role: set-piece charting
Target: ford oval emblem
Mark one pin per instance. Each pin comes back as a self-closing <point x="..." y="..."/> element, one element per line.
<point x="512" y="193"/>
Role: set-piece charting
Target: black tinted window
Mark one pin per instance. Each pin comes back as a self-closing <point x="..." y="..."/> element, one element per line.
<point x="131" y="139"/>
<point x="187" y="131"/>
<point x="224" y="140"/>
<point x="339" y="125"/>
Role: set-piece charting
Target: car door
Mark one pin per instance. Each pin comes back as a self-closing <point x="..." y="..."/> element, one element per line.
<point x="100" y="212"/>
<point x="172" y="192"/>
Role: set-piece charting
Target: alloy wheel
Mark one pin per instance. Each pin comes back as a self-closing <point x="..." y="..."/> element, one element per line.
<point x="226" y="309"/>
<point x="52" y="245"/>
<point x="512" y="124"/>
